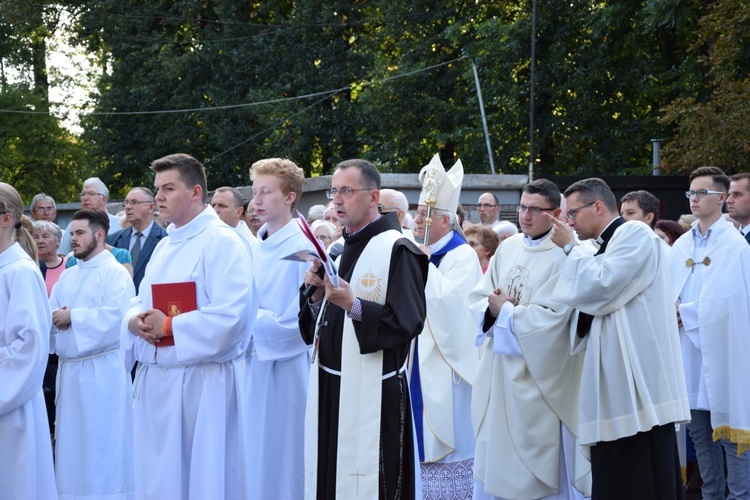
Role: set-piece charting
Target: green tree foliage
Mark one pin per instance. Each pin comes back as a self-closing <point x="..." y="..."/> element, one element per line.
<point x="712" y="122"/>
<point x="36" y="153"/>
<point x="318" y="81"/>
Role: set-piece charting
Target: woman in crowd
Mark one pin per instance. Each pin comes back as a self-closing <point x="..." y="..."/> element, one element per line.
<point x="323" y="231"/>
<point x="47" y="236"/>
<point x="668" y="230"/>
<point x="25" y="321"/>
<point x="484" y="241"/>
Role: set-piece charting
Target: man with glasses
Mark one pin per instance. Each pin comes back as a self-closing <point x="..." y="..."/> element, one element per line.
<point x="710" y="267"/>
<point x="94" y="196"/>
<point x="632" y="384"/>
<point x="359" y="437"/>
<point x="488" y="207"/>
<point x="43" y="208"/>
<point x="525" y="398"/>
<point x="144" y="233"/>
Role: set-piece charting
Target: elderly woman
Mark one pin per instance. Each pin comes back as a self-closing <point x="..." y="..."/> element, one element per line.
<point x="47" y="236"/>
<point x="484" y="241"/>
<point x="323" y="231"/>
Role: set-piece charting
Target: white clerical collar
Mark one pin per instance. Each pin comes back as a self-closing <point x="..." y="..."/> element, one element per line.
<point x="535" y="242"/>
<point x="439" y="244"/>
<point x="599" y="241"/>
<point x="744" y="230"/>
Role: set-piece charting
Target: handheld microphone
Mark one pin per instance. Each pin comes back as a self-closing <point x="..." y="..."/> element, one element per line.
<point x="333" y="252"/>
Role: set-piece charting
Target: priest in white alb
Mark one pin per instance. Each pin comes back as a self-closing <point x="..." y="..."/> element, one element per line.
<point x="525" y="401"/>
<point x="94" y="423"/>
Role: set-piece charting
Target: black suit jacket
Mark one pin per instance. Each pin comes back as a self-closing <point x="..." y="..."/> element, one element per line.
<point x="747" y="237"/>
<point x="121" y="239"/>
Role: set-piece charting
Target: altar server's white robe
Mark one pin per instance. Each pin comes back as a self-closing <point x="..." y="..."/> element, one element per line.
<point x="448" y="361"/>
<point x="189" y="398"/>
<point x="278" y="369"/>
<point x="94" y="411"/>
<point x="525" y="400"/>
<point x="716" y="318"/>
<point x="26" y="469"/>
<point x="632" y="376"/>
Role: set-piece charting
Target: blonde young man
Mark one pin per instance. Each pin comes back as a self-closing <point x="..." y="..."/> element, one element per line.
<point x="278" y="365"/>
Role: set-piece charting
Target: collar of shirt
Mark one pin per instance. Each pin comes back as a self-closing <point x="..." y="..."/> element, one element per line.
<point x="717" y="228"/>
<point x="535" y="242"/>
<point x="145" y="233"/>
<point x="600" y="241"/>
<point x="439" y="244"/>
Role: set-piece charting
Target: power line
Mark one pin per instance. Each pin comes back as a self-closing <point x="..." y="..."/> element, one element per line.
<point x="325" y="93"/>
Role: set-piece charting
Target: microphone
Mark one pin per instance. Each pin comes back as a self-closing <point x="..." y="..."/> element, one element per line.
<point x="333" y="252"/>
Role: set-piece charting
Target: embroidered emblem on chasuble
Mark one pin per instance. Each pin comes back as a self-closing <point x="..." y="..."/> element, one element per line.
<point x="516" y="284"/>
<point x="368" y="287"/>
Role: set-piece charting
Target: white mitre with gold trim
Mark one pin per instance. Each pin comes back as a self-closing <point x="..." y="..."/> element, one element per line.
<point x="441" y="186"/>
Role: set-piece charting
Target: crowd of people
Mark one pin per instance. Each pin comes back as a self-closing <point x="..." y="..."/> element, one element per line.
<point x="223" y="348"/>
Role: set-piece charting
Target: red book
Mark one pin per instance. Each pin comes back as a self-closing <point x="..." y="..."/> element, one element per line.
<point x="173" y="299"/>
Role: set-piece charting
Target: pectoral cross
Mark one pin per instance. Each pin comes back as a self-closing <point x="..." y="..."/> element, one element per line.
<point x="357" y="475"/>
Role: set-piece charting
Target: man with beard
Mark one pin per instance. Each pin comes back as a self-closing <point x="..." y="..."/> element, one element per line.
<point x="94" y="436"/>
<point x="358" y="433"/>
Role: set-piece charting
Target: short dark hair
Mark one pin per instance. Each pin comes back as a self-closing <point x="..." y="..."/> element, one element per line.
<point x="370" y="175"/>
<point x="717" y="175"/>
<point x="740" y="176"/>
<point x="590" y="190"/>
<point x="236" y="194"/>
<point x="646" y="202"/>
<point x="546" y="188"/>
<point x="98" y="220"/>
<point x="191" y="170"/>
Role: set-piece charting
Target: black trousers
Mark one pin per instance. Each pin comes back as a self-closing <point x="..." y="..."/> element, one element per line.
<point x="645" y="466"/>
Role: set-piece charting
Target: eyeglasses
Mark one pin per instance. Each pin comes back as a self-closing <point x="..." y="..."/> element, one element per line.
<point x="133" y="203"/>
<point x="90" y="194"/>
<point x="44" y="209"/>
<point x="485" y="206"/>
<point x="572" y="214"/>
<point x="346" y="192"/>
<point x="534" y="211"/>
<point x="701" y="193"/>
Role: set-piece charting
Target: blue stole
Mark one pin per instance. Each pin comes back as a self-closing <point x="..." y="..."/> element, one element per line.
<point x="415" y="387"/>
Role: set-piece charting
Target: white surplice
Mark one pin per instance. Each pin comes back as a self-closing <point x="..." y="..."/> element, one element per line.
<point x="244" y="231"/>
<point x="525" y="400"/>
<point x="715" y="310"/>
<point x="632" y="375"/>
<point x="94" y="414"/>
<point x="448" y="361"/>
<point x="278" y="369"/>
<point x="189" y="398"/>
<point x="26" y="469"/>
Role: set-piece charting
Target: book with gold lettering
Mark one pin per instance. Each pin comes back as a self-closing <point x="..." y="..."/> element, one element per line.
<point x="173" y="299"/>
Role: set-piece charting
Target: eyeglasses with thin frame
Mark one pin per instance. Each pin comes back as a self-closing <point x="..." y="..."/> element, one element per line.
<point x="485" y="205"/>
<point x="346" y="192"/>
<point x="701" y="193"/>
<point x="534" y="211"/>
<point x="572" y="214"/>
<point x="90" y="194"/>
<point x="134" y="203"/>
